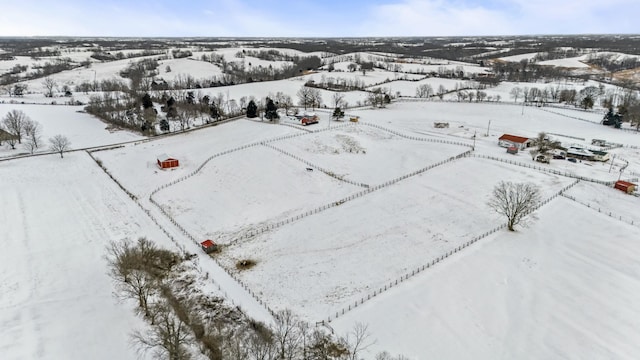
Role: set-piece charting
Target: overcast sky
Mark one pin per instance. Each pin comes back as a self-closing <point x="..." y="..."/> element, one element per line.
<point x="321" y="18"/>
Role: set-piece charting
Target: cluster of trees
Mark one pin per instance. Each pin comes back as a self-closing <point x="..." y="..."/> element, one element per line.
<point x="527" y="72"/>
<point x="338" y="83"/>
<point x="18" y="128"/>
<point x="613" y="62"/>
<point x="377" y="97"/>
<point x="309" y="97"/>
<point x="182" y="321"/>
<point x="179" y="53"/>
<point x="103" y="55"/>
<point x="37" y="70"/>
<point x="586" y="97"/>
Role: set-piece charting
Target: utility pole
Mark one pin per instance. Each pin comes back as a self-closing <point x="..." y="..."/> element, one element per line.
<point x="488" y="126"/>
<point x="612" y="160"/>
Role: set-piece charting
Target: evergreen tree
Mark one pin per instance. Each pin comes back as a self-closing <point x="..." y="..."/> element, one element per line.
<point x="164" y="125"/>
<point x="215" y="114"/>
<point x="338" y="113"/>
<point x="146" y="101"/>
<point x="252" y="109"/>
<point x="271" y="112"/>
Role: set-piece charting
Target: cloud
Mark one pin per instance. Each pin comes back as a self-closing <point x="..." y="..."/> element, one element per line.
<point x="303" y="18"/>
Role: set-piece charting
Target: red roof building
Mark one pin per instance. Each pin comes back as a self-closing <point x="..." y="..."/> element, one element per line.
<point x="165" y="162"/>
<point x="625" y="186"/>
<point x="520" y="142"/>
<point x="208" y="246"/>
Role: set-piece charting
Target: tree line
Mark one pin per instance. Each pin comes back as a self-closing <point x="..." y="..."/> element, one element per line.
<point x="185" y="323"/>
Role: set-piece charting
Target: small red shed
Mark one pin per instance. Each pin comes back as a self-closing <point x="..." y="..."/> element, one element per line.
<point x="166" y="162"/>
<point x="208" y="246"/>
<point x="625" y="186"/>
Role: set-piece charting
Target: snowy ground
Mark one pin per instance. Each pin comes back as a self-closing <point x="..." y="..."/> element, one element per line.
<point x="82" y="130"/>
<point x="320" y="264"/>
<point x="319" y="269"/>
<point x="563" y="288"/>
<point x="56" y="299"/>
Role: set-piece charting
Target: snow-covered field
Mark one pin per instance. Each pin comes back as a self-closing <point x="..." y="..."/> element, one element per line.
<point x="319" y="269"/>
<point x="563" y="286"/>
<point x="566" y="287"/>
<point x="82" y="130"/>
<point x="56" y="299"/>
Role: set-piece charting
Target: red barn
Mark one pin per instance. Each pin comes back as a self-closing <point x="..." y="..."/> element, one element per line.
<point x="208" y="246"/>
<point x="625" y="186"/>
<point x="508" y="141"/>
<point x="165" y="162"/>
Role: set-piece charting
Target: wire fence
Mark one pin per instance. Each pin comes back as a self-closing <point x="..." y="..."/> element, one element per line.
<point x="433" y="262"/>
<point x="551" y="171"/>
<point x="600" y="210"/>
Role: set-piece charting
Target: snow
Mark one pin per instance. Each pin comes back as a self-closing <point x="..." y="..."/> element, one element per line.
<point x="56" y="298"/>
<point x="82" y="130"/>
<point x="519" y="57"/>
<point x="319" y="269"/>
<point x="564" y="287"/>
<point x="187" y="67"/>
<point x="574" y="62"/>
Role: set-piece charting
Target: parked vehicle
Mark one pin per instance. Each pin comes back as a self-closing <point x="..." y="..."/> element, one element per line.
<point x="543" y="158"/>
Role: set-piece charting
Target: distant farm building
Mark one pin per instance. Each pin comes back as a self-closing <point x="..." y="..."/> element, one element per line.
<point x="580" y="153"/>
<point x="625" y="186"/>
<point x="440" y="125"/>
<point x="600" y="155"/>
<point x="520" y="142"/>
<point x="166" y="162"/>
<point x="5" y="136"/>
<point x="208" y="246"/>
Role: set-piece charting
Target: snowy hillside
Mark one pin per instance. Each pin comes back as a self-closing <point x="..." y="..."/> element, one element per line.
<point x="380" y="217"/>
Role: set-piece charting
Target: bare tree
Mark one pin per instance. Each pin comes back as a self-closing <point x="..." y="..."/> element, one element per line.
<point x="316" y="98"/>
<point x="424" y="91"/>
<point x="545" y="144"/>
<point x="515" y="93"/>
<point x="286" y="334"/>
<point x="358" y="340"/>
<point x="305" y="97"/>
<point x="514" y="201"/>
<point x="284" y="101"/>
<point x="337" y="98"/>
<point x="50" y="84"/>
<point x="59" y="144"/>
<point x="14" y="123"/>
<point x="132" y="282"/>
<point x="138" y="269"/>
<point x="441" y="91"/>
<point x="32" y="130"/>
<point x="168" y="337"/>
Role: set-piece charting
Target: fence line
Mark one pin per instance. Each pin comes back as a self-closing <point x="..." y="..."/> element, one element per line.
<point x="551" y="171"/>
<point x="436" y="260"/>
<point x="598" y="209"/>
